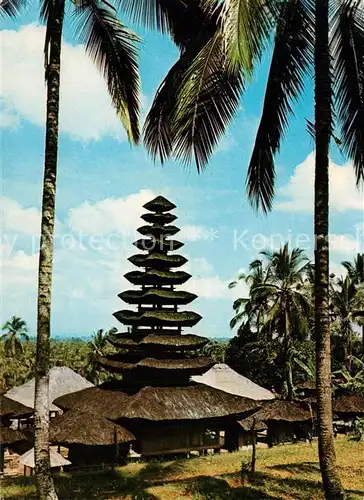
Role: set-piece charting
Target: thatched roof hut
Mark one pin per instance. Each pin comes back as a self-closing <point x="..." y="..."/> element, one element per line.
<point x="56" y="459"/>
<point x="79" y="427"/>
<point x="350" y="404"/>
<point x="10" y="436"/>
<point x="106" y="400"/>
<point x="185" y="403"/>
<point x="222" y="377"/>
<point x="252" y="423"/>
<point x="12" y="408"/>
<point x="287" y="411"/>
<point x="62" y="380"/>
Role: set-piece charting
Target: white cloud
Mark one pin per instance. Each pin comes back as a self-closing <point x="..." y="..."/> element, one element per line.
<point x="87" y="277"/>
<point x="16" y="218"/>
<point x="297" y="194"/>
<point x="210" y="287"/>
<point x="86" y="112"/>
<point x="190" y="232"/>
<point x="343" y="243"/>
<point x="112" y="215"/>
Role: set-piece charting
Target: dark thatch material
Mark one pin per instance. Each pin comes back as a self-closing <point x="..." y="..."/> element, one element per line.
<point x="10" y="436"/>
<point x="78" y="427"/>
<point x="350" y="404"/>
<point x="157" y="277"/>
<point x="158" y="230"/>
<point x="252" y="423"/>
<point x="159" y="204"/>
<point x="185" y="403"/>
<point x="158" y="260"/>
<point x="13" y="408"/>
<point x="288" y="411"/>
<point x="105" y="400"/>
<point x="157" y="317"/>
<point x="161" y="218"/>
<point x="191" y="366"/>
<point x="188" y="341"/>
<point x="162" y="245"/>
<point x="157" y="296"/>
<point x="172" y="342"/>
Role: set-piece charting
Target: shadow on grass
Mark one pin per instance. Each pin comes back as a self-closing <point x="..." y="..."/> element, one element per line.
<point x="306" y="467"/>
<point x="98" y="485"/>
<point x="213" y="488"/>
<point x="119" y="485"/>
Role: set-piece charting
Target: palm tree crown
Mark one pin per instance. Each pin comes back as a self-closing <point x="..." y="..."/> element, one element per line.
<point x="16" y="331"/>
<point x="109" y="43"/>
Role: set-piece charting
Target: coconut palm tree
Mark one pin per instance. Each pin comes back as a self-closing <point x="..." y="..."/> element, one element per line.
<point x="96" y="347"/>
<point x="278" y="303"/>
<point x="355" y="269"/>
<point x="16" y="331"/>
<point x="288" y="304"/>
<point x="113" y="49"/>
<point x="343" y="306"/>
<point x="249" y="313"/>
<point x="324" y="37"/>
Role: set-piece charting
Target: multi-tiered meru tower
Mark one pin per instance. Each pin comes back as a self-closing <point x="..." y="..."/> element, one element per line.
<point x="156" y="400"/>
<point x="153" y="350"/>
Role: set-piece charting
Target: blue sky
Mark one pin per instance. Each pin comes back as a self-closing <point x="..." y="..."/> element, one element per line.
<point x="103" y="182"/>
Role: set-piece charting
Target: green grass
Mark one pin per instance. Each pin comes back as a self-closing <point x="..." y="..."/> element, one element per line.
<point x="287" y="472"/>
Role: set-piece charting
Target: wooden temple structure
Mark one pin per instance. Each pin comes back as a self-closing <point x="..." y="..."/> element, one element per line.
<point x="157" y="401"/>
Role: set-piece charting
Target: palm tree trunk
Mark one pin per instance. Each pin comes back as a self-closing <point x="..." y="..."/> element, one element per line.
<point x="44" y="481"/>
<point x="288" y="363"/>
<point x="330" y="477"/>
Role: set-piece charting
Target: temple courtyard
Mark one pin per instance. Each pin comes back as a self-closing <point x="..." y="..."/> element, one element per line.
<point x="284" y="472"/>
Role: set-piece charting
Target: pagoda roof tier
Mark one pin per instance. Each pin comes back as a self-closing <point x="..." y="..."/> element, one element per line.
<point x="160" y="367"/>
<point x="171" y="342"/>
<point x="162" y="245"/>
<point x="158" y="260"/>
<point x="158" y="317"/>
<point x="164" y="218"/>
<point x="157" y="277"/>
<point x="158" y="230"/>
<point x="157" y="296"/>
<point x="138" y="332"/>
<point x="160" y="204"/>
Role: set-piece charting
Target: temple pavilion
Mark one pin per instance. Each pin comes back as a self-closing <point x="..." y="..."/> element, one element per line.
<point x="156" y="400"/>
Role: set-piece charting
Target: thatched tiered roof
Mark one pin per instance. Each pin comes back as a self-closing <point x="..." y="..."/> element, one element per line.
<point x="73" y="428"/>
<point x="185" y="403"/>
<point x="350" y="404"/>
<point x="10" y="436"/>
<point x="153" y="349"/>
<point x="11" y="408"/>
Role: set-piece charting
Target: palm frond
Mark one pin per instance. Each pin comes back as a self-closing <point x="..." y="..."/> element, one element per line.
<point x="113" y="48"/>
<point x="194" y="104"/>
<point x="347" y="46"/>
<point x="182" y="20"/>
<point x="12" y="8"/>
<point x="246" y="28"/>
<point x="208" y="99"/>
<point x="291" y="59"/>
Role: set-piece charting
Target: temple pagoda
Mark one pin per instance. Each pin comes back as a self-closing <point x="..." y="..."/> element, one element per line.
<point x="153" y="351"/>
<point x="156" y="400"/>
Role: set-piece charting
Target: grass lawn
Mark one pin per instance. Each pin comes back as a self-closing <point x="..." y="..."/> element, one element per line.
<point x="283" y="472"/>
